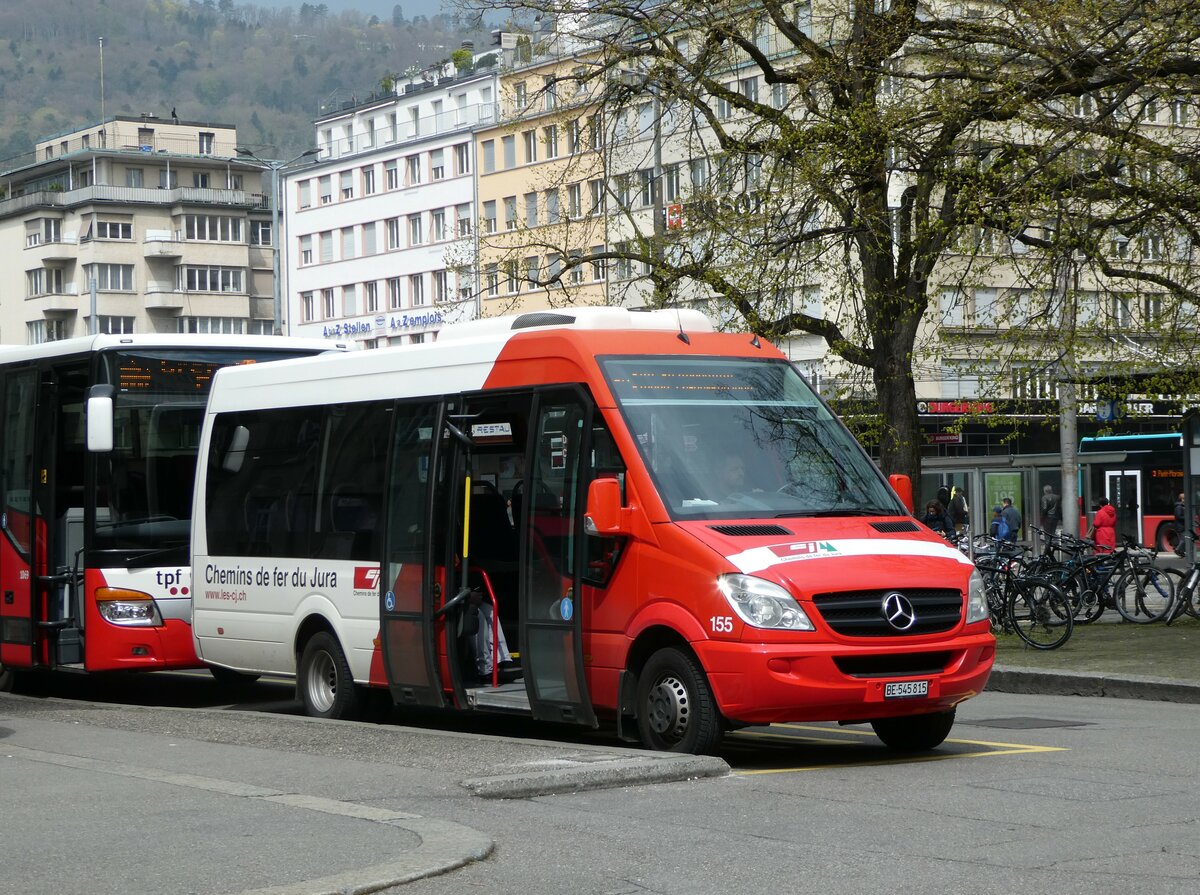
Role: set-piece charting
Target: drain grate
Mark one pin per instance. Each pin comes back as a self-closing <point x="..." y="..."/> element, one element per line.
<point x="1026" y="723"/>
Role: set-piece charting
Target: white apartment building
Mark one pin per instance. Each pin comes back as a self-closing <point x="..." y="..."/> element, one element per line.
<point x="160" y="214"/>
<point x="382" y="229"/>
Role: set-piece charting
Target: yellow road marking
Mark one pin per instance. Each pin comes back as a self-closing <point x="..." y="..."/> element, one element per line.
<point x="994" y="749"/>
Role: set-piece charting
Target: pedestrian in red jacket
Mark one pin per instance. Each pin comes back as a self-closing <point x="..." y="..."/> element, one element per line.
<point x="1104" y="527"/>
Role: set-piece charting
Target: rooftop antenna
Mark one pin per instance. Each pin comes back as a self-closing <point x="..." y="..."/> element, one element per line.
<point x="682" y="336"/>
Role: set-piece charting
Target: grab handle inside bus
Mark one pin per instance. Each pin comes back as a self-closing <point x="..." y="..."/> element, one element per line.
<point x="100" y="418"/>
<point x="605" y="515"/>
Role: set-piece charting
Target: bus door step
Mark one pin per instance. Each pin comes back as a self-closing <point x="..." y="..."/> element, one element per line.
<point x="507" y="697"/>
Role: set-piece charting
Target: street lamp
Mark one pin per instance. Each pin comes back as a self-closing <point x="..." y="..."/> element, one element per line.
<point x="276" y="236"/>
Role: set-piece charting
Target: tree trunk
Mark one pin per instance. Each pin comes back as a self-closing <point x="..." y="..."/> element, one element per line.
<point x="900" y="441"/>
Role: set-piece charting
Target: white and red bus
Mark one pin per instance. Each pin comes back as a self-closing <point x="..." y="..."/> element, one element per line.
<point x="97" y="459"/>
<point x="577" y="471"/>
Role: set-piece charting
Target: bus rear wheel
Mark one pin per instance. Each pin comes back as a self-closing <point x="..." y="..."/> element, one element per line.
<point x="675" y="706"/>
<point x="8" y="680"/>
<point x="914" y="733"/>
<point x="325" y="684"/>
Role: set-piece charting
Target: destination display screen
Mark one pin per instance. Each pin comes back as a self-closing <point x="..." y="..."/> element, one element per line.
<point x="180" y="371"/>
<point x="149" y="374"/>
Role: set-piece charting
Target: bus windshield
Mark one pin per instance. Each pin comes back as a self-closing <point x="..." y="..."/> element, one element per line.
<point x="741" y="438"/>
<point x="144" y="485"/>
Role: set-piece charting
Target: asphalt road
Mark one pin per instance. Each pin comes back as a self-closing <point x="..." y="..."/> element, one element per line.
<point x="1031" y="794"/>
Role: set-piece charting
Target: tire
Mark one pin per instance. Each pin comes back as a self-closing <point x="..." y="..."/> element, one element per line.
<point x="914" y="733"/>
<point x="1144" y="595"/>
<point x="227" y="677"/>
<point x="8" y="680"/>
<point x="325" y="685"/>
<point x="676" y="711"/>
<point x="1040" y="613"/>
<point x="1167" y="537"/>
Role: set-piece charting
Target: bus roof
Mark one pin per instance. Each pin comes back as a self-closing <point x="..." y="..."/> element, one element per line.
<point x="464" y="357"/>
<point x="89" y="344"/>
<point x="682" y="320"/>
<point x="1145" y="442"/>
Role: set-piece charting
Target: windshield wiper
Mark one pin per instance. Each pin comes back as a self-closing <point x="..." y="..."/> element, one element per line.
<point x="869" y="511"/>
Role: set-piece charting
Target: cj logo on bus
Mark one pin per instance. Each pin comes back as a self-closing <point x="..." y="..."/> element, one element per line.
<point x="898" y="611"/>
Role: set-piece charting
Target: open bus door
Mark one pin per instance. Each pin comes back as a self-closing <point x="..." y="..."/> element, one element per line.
<point x="553" y="556"/>
<point x="464" y="547"/>
<point x="22" y="525"/>
<point x="410" y="589"/>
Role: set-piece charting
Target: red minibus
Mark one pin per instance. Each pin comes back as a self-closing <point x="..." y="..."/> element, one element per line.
<point x="657" y="525"/>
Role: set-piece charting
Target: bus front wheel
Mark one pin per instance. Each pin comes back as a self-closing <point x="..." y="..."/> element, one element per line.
<point x="675" y="705"/>
<point x="914" y="733"/>
<point x="325" y="685"/>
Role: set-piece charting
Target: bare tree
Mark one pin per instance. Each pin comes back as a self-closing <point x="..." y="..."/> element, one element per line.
<point x="848" y="170"/>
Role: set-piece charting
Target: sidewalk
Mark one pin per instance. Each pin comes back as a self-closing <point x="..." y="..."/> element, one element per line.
<point x="154" y="799"/>
<point x="1107" y="658"/>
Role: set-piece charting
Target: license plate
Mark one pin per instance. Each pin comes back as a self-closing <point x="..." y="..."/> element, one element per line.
<point x="905" y="689"/>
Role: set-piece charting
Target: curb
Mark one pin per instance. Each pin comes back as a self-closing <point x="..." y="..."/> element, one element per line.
<point x="579" y="776"/>
<point x="1092" y="683"/>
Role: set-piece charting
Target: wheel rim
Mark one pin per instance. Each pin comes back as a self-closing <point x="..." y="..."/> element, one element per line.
<point x="668" y="709"/>
<point x="320" y="683"/>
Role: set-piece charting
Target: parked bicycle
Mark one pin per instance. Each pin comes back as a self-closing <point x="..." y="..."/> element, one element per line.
<point x="1033" y="608"/>
<point x="1127" y="579"/>
<point x="1187" y="590"/>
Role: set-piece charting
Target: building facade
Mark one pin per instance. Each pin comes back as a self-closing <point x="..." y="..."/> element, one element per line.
<point x="171" y="229"/>
<point x="543" y="190"/>
<point x="381" y="230"/>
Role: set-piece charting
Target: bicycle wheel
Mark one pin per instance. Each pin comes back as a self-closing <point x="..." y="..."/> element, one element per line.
<point x="1181" y="602"/>
<point x="1040" y="612"/>
<point x="1144" y="595"/>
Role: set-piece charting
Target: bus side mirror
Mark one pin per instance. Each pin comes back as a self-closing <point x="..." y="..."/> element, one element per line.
<point x="902" y="485"/>
<point x="100" y="419"/>
<point x="605" y="515"/>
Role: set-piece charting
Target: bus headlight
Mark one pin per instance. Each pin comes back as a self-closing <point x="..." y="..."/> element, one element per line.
<point x="763" y="604"/>
<point x="130" y="608"/>
<point x="977" y="607"/>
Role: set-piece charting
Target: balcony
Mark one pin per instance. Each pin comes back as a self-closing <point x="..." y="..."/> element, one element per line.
<point x="61" y="302"/>
<point x="162" y="244"/>
<point x="132" y="195"/>
<point x="59" y="250"/>
<point x="164" y="297"/>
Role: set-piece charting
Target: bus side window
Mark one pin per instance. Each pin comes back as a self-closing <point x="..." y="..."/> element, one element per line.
<point x="261" y="505"/>
<point x="352" y="482"/>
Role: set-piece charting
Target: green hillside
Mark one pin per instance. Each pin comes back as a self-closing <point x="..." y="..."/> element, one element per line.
<point x="270" y="72"/>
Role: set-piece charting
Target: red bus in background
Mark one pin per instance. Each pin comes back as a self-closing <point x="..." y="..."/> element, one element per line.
<point x="97" y="462"/>
<point x="1142" y="486"/>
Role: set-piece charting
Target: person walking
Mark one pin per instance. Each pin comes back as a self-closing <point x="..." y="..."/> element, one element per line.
<point x="1104" y="527"/>
<point x="999" y="528"/>
<point x="960" y="513"/>
<point x="1013" y="517"/>
<point x="1180" y="514"/>
<point x="1051" y="509"/>
<point x="943" y="496"/>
